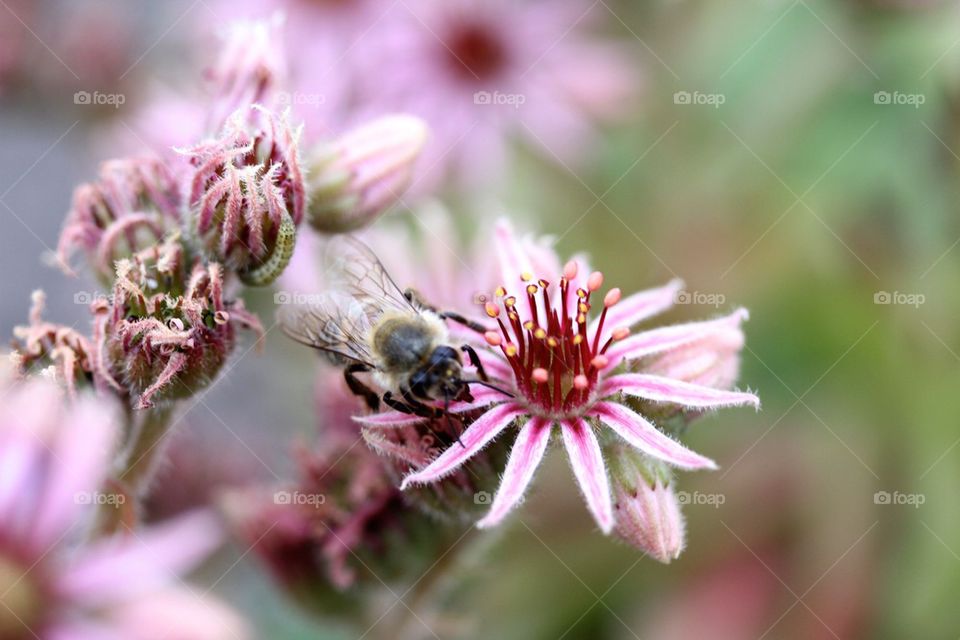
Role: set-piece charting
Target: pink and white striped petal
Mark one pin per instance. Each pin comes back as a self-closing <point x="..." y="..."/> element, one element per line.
<point x="387" y="419"/>
<point x="637" y="308"/>
<point x="660" y="389"/>
<point x="641" y="433"/>
<point x="524" y="459"/>
<point x="666" y="338"/>
<point x="483" y="430"/>
<point x="583" y="451"/>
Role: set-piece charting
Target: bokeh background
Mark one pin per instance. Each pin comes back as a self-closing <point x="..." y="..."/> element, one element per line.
<point x="797" y="158"/>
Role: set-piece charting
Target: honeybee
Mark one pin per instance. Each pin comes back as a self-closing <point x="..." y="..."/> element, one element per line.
<point x="368" y="323"/>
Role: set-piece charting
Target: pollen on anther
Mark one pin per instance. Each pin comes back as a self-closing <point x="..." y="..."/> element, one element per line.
<point x="492" y="310"/>
<point x="583" y="307"/>
<point x="540" y="375"/>
<point x="528" y="325"/>
<point x="552" y="341"/>
<point x="500" y="292"/>
<point x="570" y="270"/>
<point x="493" y="338"/>
<point x="577" y="339"/>
<point x="531" y="289"/>
<point x="612" y="297"/>
<point x="526" y="276"/>
<point x="540" y="333"/>
<point x="581" y="293"/>
<point x="620" y="333"/>
<point x="511" y="350"/>
<point x="581" y="382"/>
<point x="509" y="302"/>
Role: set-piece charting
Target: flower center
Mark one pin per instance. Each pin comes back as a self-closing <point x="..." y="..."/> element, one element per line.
<point x="475" y="51"/>
<point x="20" y="601"/>
<point x="555" y="361"/>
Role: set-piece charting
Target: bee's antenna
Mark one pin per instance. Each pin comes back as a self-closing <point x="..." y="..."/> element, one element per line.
<point x="490" y="385"/>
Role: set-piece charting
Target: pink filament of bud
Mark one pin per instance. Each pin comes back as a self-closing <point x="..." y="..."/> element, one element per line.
<point x="570" y="270"/>
<point x="620" y="333"/>
<point x="493" y="338"/>
<point x="599" y="362"/>
<point x="540" y="375"/>
<point x="612" y="297"/>
<point x="581" y="382"/>
<point x="595" y="281"/>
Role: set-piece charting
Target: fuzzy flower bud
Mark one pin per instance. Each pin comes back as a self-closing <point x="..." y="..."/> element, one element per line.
<point x="247" y="195"/>
<point x="132" y="205"/>
<point x="646" y="510"/>
<point x="357" y="177"/>
<point x="165" y="335"/>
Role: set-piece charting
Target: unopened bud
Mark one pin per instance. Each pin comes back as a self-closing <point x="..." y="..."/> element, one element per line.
<point x="647" y="512"/>
<point x="356" y="178"/>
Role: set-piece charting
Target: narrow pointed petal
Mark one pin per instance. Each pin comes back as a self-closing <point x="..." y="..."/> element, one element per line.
<point x="524" y="459"/>
<point x="483" y="430"/>
<point x="637" y="308"/>
<point x="666" y="338"/>
<point x="641" y="433"/>
<point x="587" y="462"/>
<point x="388" y="419"/>
<point x="511" y="254"/>
<point x="660" y="389"/>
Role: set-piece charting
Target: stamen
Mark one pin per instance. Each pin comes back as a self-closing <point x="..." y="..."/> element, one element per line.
<point x="540" y="375"/>
<point x="599" y="362"/>
<point x="492" y="310"/>
<point x="500" y="292"/>
<point x="570" y="270"/>
<point x="540" y="333"/>
<point x="493" y="338"/>
<point x="595" y="281"/>
<point x="581" y="382"/>
<point x="526" y="276"/>
<point x="620" y="333"/>
<point x="612" y="297"/>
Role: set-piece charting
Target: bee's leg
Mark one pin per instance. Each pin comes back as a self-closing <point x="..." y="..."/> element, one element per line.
<point x="475" y="361"/>
<point x="468" y="323"/>
<point x="358" y="388"/>
<point x="410" y="405"/>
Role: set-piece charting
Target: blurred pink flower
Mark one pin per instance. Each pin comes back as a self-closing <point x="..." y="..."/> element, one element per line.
<point x="563" y="371"/>
<point x="54" y="458"/>
<point x="481" y="73"/>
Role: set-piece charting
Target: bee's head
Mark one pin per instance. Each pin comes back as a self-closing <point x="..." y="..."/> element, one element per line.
<point x="442" y="376"/>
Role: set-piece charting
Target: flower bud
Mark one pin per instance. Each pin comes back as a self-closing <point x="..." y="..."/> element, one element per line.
<point x="132" y="205"/>
<point x="357" y="177"/>
<point x="247" y="195"/>
<point x="160" y="336"/>
<point x="646" y="510"/>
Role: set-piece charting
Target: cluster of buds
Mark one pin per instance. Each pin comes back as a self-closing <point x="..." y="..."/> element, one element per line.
<point x="360" y="175"/>
<point x="55" y="350"/>
<point x="163" y="342"/>
<point x="134" y="203"/>
<point x="247" y="194"/>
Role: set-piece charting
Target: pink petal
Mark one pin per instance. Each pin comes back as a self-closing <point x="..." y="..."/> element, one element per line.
<point x="137" y="562"/>
<point x="511" y="255"/>
<point x="639" y="432"/>
<point x="84" y="448"/>
<point x="637" y="308"/>
<point x="666" y="338"/>
<point x="660" y="389"/>
<point x="388" y="419"/>
<point x="482" y="431"/>
<point x="583" y="450"/>
<point x="524" y="459"/>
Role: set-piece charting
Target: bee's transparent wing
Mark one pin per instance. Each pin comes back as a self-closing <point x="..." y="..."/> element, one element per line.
<point x="336" y="324"/>
<point x="357" y="272"/>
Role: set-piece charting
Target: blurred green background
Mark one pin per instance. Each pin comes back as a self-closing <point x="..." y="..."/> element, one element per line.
<point x="826" y="209"/>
